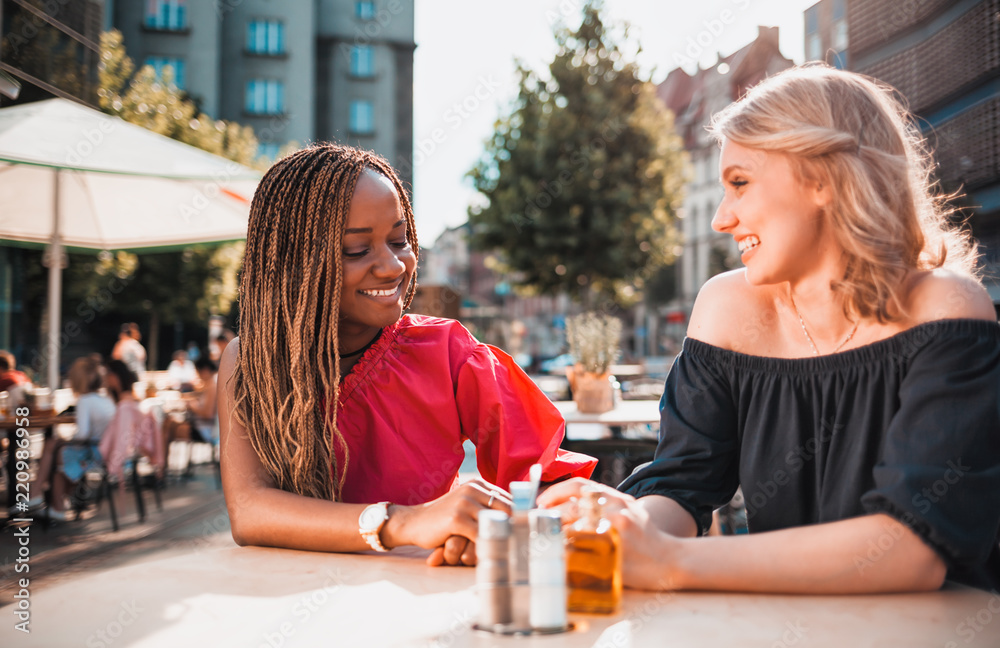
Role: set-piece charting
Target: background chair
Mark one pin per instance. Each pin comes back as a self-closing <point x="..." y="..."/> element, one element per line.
<point x="97" y="484"/>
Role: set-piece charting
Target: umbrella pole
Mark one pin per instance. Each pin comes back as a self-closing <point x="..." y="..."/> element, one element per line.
<point x="55" y="289"/>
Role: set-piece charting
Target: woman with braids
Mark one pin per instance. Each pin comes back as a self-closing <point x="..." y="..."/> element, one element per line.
<point x="847" y="378"/>
<point x="341" y="419"/>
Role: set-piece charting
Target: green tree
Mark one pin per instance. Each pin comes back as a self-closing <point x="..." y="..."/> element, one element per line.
<point x="160" y="106"/>
<point x="583" y="178"/>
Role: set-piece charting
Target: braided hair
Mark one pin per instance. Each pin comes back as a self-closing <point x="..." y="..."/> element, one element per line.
<point x="286" y="377"/>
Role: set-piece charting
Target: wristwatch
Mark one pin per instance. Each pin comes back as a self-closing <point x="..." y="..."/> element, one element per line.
<point x="370" y="524"/>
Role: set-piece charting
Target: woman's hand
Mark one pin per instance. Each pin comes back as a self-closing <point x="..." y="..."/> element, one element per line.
<point x="651" y="558"/>
<point x="649" y="554"/>
<point x="565" y="495"/>
<point x="455" y="551"/>
<point x="449" y="524"/>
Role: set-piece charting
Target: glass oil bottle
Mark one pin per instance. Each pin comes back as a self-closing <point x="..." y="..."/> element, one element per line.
<point x="593" y="559"/>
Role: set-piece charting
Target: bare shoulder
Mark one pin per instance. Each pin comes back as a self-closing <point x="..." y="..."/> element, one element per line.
<point x="227" y="363"/>
<point x="725" y="305"/>
<point x="946" y="294"/>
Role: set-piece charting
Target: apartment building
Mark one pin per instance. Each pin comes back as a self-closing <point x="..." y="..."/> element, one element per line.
<point x="303" y="70"/>
<point x="826" y="33"/>
<point x="944" y="57"/>
<point x="693" y="100"/>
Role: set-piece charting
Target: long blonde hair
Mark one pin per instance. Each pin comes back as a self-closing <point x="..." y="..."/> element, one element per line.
<point x="845" y="129"/>
<point x="285" y="381"/>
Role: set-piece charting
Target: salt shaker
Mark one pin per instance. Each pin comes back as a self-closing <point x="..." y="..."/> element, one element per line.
<point x="493" y="571"/>
<point x="547" y="571"/>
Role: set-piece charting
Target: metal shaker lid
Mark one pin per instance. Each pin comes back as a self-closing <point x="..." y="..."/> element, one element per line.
<point x="545" y="521"/>
<point x="493" y="524"/>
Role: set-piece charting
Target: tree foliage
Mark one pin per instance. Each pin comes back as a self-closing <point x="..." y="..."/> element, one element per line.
<point x="159" y="106"/>
<point x="583" y="178"/>
<point x="186" y="285"/>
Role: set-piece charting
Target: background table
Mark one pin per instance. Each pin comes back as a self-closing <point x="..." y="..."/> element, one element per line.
<point x="272" y="597"/>
<point x="9" y="426"/>
<point x="626" y="412"/>
<point x="617" y="454"/>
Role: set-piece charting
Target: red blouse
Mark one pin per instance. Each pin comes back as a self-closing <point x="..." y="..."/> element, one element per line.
<point x="423" y="388"/>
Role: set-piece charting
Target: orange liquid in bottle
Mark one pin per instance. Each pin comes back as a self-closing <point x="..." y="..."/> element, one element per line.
<point x="593" y="562"/>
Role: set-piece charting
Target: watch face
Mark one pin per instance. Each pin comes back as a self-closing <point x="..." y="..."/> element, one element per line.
<point x="372" y="517"/>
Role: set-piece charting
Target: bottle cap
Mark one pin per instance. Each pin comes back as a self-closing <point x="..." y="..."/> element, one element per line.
<point x="493" y="524"/>
<point x="592" y="500"/>
<point x="521" y="495"/>
<point x="545" y="522"/>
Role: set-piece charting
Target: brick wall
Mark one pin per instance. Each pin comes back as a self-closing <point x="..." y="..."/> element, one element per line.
<point x="964" y="51"/>
<point x="875" y="21"/>
<point x="968" y="147"/>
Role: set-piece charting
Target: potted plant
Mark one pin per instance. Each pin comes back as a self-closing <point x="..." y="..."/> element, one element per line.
<point x="593" y="342"/>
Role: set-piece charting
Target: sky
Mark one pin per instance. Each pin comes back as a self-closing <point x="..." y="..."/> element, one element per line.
<point x="465" y="60"/>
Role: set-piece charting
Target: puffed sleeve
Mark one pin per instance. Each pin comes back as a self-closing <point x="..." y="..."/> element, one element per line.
<point x="511" y="422"/>
<point x="939" y="468"/>
<point x="696" y="459"/>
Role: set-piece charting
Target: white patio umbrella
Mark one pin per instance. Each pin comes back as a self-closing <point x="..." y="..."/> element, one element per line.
<point x="74" y="177"/>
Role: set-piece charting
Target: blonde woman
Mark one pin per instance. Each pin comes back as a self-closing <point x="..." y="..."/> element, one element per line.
<point x="847" y="377"/>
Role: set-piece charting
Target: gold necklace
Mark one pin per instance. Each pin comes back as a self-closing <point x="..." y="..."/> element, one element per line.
<point x="809" y="337"/>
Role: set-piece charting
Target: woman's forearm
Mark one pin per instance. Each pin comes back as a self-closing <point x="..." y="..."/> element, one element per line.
<point x="669" y="516"/>
<point x="875" y="553"/>
<point x="269" y="517"/>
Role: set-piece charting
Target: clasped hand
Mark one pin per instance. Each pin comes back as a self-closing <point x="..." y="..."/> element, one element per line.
<point x="449" y="524"/>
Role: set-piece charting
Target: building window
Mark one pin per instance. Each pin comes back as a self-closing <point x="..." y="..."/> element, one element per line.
<point x="168" y="15"/>
<point x="364" y="10"/>
<point x="363" y="61"/>
<point x="160" y="64"/>
<point x="265" y="97"/>
<point x="268" y="151"/>
<point x="812" y="19"/>
<point x="838" y="9"/>
<point x="266" y="37"/>
<point x="362" y="117"/>
<point x="839" y="35"/>
<point x="814" y="48"/>
<point x="840" y="60"/>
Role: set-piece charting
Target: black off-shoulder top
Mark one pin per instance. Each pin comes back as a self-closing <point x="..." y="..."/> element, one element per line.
<point x="908" y="426"/>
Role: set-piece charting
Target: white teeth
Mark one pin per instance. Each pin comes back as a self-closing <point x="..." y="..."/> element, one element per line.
<point x="749" y="243"/>
<point x="380" y="293"/>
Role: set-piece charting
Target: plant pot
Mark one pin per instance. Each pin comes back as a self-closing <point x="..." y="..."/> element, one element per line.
<point x="592" y="393"/>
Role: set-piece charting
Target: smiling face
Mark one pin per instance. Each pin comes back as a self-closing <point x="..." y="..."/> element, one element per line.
<point x="378" y="262"/>
<point x="775" y="217"/>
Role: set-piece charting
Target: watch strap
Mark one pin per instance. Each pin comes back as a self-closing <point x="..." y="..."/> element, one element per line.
<point x="371" y="536"/>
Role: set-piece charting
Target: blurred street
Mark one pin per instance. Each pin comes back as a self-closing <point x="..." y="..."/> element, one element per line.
<point x="193" y="519"/>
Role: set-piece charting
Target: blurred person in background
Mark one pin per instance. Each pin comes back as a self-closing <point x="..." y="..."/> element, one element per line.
<point x="181" y="372"/>
<point x="129" y="350"/>
<point x="131" y="431"/>
<point x="93" y="414"/>
<point x="193" y="352"/>
<point x="199" y="421"/>
<point x="221" y="342"/>
<point x="9" y="375"/>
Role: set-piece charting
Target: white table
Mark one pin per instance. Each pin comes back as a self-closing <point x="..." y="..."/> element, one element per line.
<point x="273" y="597"/>
<point x="618" y="455"/>
<point x="626" y="412"/>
